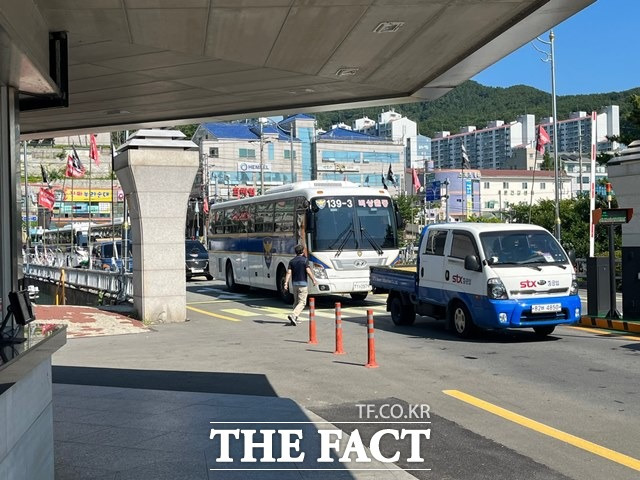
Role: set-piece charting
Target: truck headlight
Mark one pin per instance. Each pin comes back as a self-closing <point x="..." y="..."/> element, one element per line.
<point x="318" y="270"/>
<point x="495" y="289"/>
<point x="574" y="285"/>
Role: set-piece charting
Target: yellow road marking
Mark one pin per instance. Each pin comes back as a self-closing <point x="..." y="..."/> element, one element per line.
<point x="273" y="310"/>
<point x="208" y="301"/>
<point x="578" y="442"/>
<point x="239" y="312"/>
<point x="599" y="331"/>
<point x="204" y="312"/>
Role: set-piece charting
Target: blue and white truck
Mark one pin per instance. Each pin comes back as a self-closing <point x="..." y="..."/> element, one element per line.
<point x="484" y="275"/>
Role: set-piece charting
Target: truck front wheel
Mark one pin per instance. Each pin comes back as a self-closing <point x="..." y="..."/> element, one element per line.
<point x="544" y="330"/>
<point x="401" y="314"/>
<point x="461" y="320"/>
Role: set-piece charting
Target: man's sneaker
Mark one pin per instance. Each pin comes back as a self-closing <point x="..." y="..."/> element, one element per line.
<point x="292" y="320"/>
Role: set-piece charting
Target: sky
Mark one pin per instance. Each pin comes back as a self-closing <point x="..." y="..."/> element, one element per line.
<point x="596" y="52"/>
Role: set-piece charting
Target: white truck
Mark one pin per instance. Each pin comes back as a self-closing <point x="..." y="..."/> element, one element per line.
<point x="485" y="275"/>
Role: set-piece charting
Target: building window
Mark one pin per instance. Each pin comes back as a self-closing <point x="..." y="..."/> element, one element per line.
<point x="543" y="186"/>
<point x="524" y="185"/>
<point x="213" y="152"/>
<point x="486" y="185"/>
<point x="287" y="154"/>
<point x="247" y="153"/>
<point x="505" y="184"/>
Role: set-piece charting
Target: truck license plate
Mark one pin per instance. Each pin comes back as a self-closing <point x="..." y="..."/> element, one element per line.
<point x="546" y="308"/>
<point x="361" y="286"/>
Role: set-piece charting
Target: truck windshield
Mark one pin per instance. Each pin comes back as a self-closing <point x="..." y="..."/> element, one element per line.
<point x="353" y="223"/>
<point x="521" y="248"/>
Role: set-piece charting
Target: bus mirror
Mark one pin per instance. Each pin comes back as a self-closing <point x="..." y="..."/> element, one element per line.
<point x="399" y="220"/>
<point x="572" y="256"/>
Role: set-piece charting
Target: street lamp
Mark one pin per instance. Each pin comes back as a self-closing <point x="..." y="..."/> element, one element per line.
<point x="550" y="57"/>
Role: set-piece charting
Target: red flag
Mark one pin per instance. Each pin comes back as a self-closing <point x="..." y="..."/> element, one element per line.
<point x="541" y="140"/>
<point x="416" y="179"/>
<point x="93" y="150"/>
<point x="205" y="206"/>
<point x="73" y="169"/>
<point x="46" y="198"/>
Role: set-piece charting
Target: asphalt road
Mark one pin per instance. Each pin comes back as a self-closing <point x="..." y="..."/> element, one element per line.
<point x="505" y="405"/>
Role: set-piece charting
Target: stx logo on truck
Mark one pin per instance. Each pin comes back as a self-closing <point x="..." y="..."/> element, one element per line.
<point x="533" y="283"/>
<point x="461" y="280"/>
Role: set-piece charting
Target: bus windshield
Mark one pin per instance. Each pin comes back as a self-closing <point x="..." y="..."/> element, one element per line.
<point x="353" y="223"/>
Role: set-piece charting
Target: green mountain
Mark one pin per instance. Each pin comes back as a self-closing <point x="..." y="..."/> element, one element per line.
<point x="475" y="104"/>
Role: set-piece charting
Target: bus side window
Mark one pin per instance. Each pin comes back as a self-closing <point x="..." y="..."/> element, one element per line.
<point x="284" y="216"/>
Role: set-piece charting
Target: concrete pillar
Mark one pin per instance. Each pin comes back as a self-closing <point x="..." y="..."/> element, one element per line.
<point x="10" y="221"/>
<point x="624" y="174"/>
<point x="156" y="169"/>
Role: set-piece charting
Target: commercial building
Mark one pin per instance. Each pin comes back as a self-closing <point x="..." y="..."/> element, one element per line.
<point x="343" y="154"/>
<point x="501" y="189"/>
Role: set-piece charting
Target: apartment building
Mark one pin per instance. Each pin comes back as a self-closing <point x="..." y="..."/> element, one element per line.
<point x="489" y="147"/>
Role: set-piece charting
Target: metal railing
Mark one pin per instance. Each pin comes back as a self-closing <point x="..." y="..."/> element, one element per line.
<point x="112" y="283"/>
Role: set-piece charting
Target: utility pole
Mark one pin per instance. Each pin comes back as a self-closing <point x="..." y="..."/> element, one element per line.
<point x="550" y="57"/>
<point x="555" y="132"/>
<point x="580" y="160"/>
<point x="261" y="159"/>
<point x="293" y="171"/>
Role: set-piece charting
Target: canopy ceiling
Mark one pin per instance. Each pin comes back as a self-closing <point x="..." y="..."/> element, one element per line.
<point x="143" y="63"/>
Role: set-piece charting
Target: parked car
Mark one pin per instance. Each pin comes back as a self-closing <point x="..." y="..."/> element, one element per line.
<point x="197" y="260"/>
<point x="104" y="258"/>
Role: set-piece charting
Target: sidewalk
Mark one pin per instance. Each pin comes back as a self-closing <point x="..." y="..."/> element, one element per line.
<point x="135" y="424"/>
<point x="112" y="433"/>
<point x="89" y="321"/>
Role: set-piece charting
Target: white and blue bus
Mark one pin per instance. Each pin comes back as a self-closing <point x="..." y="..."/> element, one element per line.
<point x="345" y="228"/>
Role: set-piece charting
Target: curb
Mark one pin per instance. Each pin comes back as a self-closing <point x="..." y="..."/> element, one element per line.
<point x="620" y="325"/>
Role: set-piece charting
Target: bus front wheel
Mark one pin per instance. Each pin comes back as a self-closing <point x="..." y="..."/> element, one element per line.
<point x="284" y="295"/>
<point x="359" y="296"/>
<point x="230" y="280"/>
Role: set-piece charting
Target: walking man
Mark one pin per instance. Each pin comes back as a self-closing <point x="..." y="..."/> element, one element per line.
<point x="297" y="273"/>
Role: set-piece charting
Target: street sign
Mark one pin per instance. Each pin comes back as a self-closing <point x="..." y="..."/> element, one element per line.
<point x="433" y="191"/>
<point x="32" y="218"/>
<point x="609" y="216"/>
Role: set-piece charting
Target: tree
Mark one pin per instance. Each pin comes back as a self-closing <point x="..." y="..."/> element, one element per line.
<point x="547" y="162"/>
<point x="407" y="208"/>
<point x="188" y="130"/>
